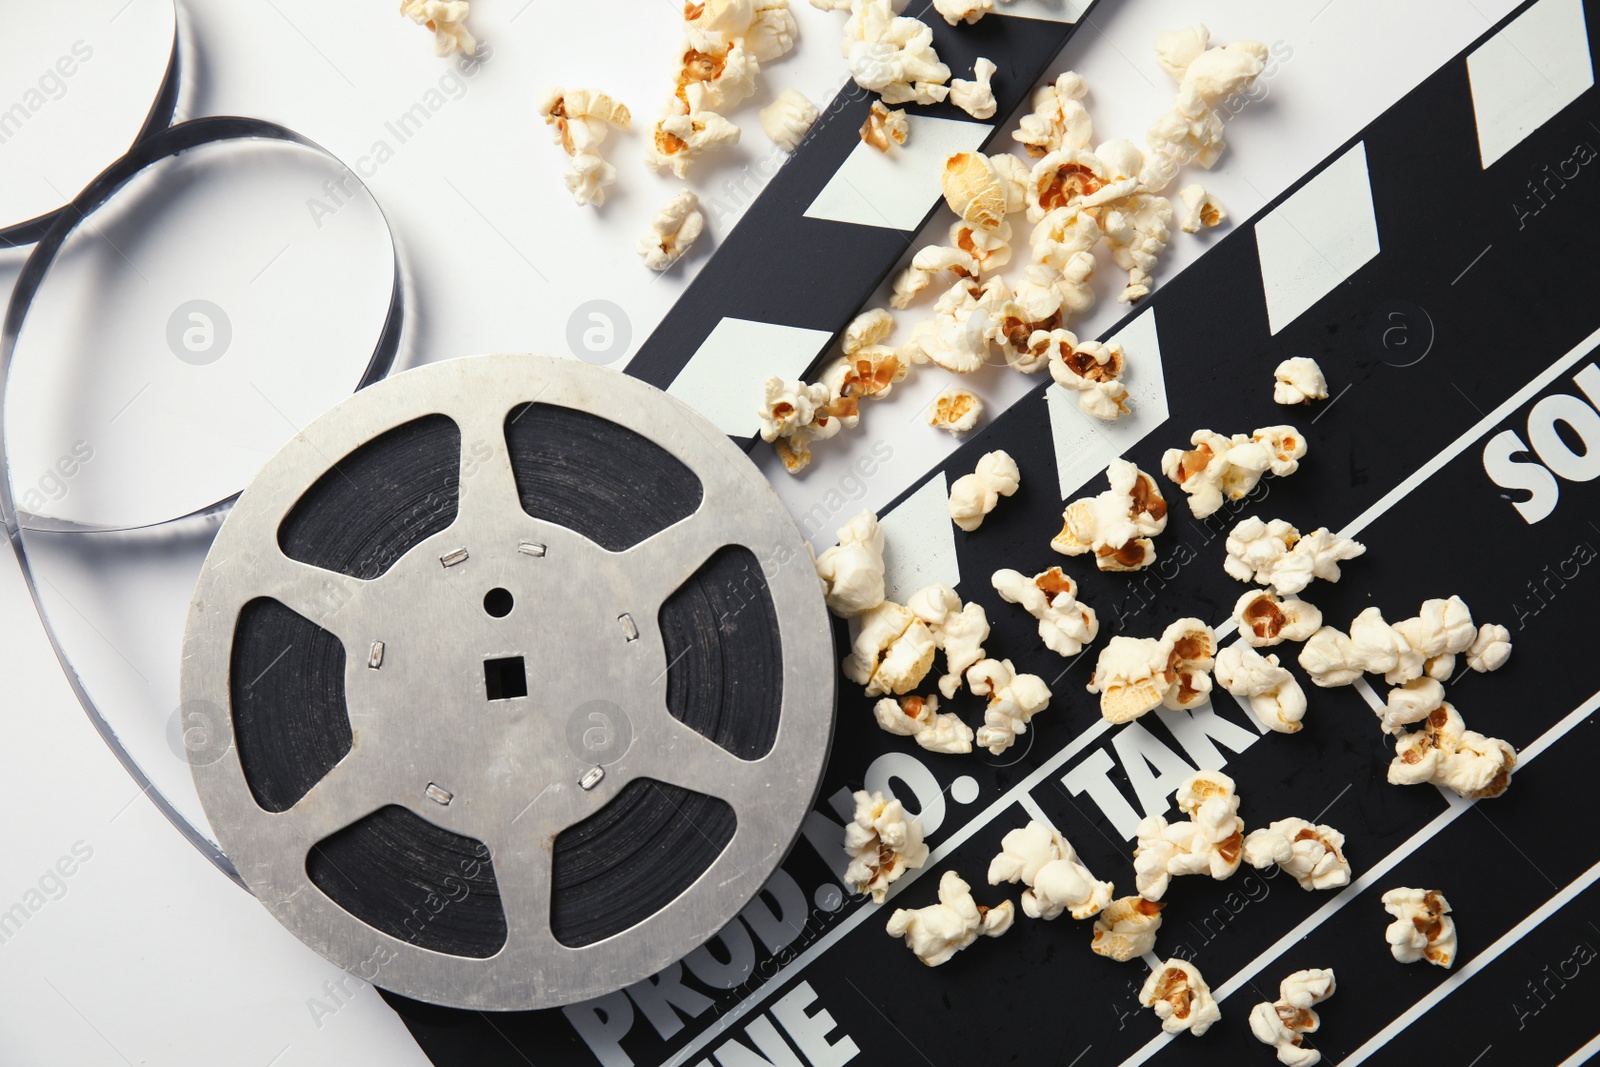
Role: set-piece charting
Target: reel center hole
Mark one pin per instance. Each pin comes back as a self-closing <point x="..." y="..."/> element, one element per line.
<point x="505" y="679"/>
<point x="498" y="602"/>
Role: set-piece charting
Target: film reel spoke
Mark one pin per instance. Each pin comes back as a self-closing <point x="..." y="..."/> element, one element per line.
<point x="322" y="596"/>
<point x="355" y="787"/>
<point x="668" y="751"/>
<point x="523" y="878"/>
<point x="663" y="563"/>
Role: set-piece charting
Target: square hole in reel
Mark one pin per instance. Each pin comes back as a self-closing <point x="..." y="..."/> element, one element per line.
<point x="505" y="679"/>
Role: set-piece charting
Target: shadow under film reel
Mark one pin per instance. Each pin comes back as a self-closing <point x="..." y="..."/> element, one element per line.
<point x="516" y="716"/>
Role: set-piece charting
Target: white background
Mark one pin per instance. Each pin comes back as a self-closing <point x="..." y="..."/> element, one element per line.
<point x="150" y="956"/>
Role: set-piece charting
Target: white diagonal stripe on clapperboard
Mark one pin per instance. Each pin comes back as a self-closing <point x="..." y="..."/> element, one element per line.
<point x="1017" y="792"/>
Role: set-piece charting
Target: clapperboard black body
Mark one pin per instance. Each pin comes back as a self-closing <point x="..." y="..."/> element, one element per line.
<point x="1439" y="268"/>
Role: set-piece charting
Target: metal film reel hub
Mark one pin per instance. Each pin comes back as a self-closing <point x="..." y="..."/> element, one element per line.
<point x="505" y="679"/>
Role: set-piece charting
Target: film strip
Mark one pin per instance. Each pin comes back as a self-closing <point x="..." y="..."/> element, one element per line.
<point x="1459" y="445"/>
<point x="837" y="193"/>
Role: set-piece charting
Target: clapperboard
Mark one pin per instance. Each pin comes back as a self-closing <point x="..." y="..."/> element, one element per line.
<point x="1438" y="267"/>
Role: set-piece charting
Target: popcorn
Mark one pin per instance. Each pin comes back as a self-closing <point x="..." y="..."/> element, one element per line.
<point x="928" y="264"/>
<point x="1490" y="649"/>
<point x="1275" y="696"/>
<point x="919" y="718"/>
<point x="975" y="97"/>
<point x="1310" y="854"/>
<point x="773" y="31"/>
<point x="1283" y="1024"/>
<point x="989" y="249"/>
<point x="956" y="12"/>
<point x="1027" y="319"/>
<point x="1230" y="467"/>
<point x="1066" y="178"/>
<point x="1064" y="241"/>
<point x="1117" y="526"/>
<point x="1092" y="370"/>
<point x="883" y="843"/>
<point x="1299" y="381"/>
<point x="1422" y="927"/>
<point x="1445" y="753"/>
<point x="1065" y="625"/>
<point x="1330" y="658"/>
<point x="1041" y="859"/>
<point x="1201" y="209"/>
<point x="957" y="338"/>
<point x="716" y="79"/>
<point x="1057" y="120"/>
<point x="1180" y="997"/>
<point x="1273" y="553"/>
<point x="1192" y="129"/>
<point x="891" y="650"/>
<point x="1265" y="620"/>
<point x="1409" y="703"/>
<point x="939" y="931"/>
<point x="581" y="118"/>
<point x="1126" y="928"/>
<point x="1129" y="676"/>
<point x="588" y="177"/>
<point x="788" y="118"/>
<point x="956" y="409"/>
<point x="673" y="232"/>
<point x="680" y="138"/>
<point x="1137" y="228"/>
<point x="1176" y="49"/>
<point x="1191" y="647"/>
<point x="447" y="19"/>
<point x="1411" y="648"/>
<point x="974" y="495"/>
<point x="852" y="571"/>
<point x="958" y="631"/>
<point x="1014" y="699"/>
<point x="892" y="55"/>
<point x="789" y="407"/>
<point x="1210" y="842"/>
<point x="884" y="127"/>
<point x="974" y="189"/>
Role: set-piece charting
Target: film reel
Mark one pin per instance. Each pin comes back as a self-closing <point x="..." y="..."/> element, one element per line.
<point x="518" y="700"/>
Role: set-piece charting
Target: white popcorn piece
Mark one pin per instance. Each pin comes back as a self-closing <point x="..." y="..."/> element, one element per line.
<point x="1312" y="855"/>
<point x="1041" y="859"/>
<point x="1065" y="625"/>
<point x="1298" y="380"/>
<point x="1014" y="699"/>
<point x="1330" y="658"/>
<point x="1445" y="753"/>
<point x="1210" y="841"/>
<point x="955" y="410"/>
<point x="920" y="719"/>
<point x="1490" y="649"/>
<point x="892" y="55"/>
<point x="1201" y="210"/>
<point x="927" y="265"/>
<point x="788" y="118"/>
<point x="989" y="249"/>
<point x="1265" y="619"/>
<point x="446" y="19"/>
<point x="1137" y="675"/>
<point x="1064" y="241"/>
<point x="788" y="407"/>
<point x="852" y="570"/>
<point x="1191" y="652"/>
<point x="939" y="931"/>
<point x="680" y="137"/>
<point x="959" y="336"/>
<point x="974" y="189"/>
<point x="1180" y="997"/>
<point x="1137" y="230"/>
<point x="1422" y="927"/>
<point x="958" y="631"/>
<point x="974" y="495"/>
<point x="883" y="842"/>
<point x="766" y="28"/>
<point x="581" y="118"/>
<point x="956" y="12"/>
<point x="588" y="177"/>
<point x="1093" y="371"/>
<point x="673" y="232"/>
<point x="976" y="97"/>
<point x="1409" y="703"/>
<point x="773" y="31"/>
<point x="1220" y="468"/>
<point x="884" y="127"/>
<point x="1118" y="524"/>
<point x="1411" y="648"/>
<point x="1285" y="1023"/>
<point x="1126" y="928"/>
<point x="1057" y="120"/>
<point x="1275" y="696"/>
<point x="1029" y="320"/>
<point x="1275" y="554"/>
<point x="1176" y="49"/>
<point x="891" y="650"/>
<point x="713" y="76"/>
<point x="1073" y="178"/>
